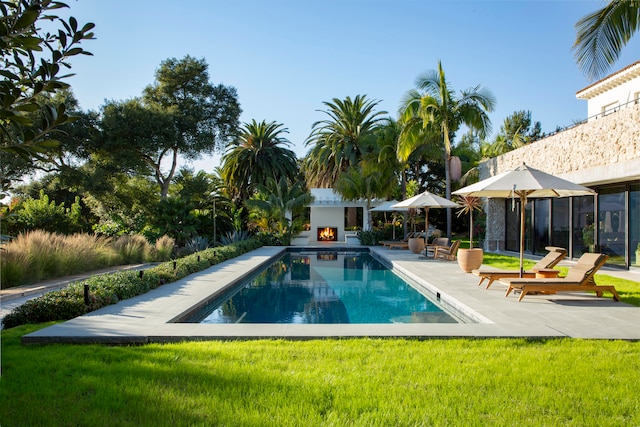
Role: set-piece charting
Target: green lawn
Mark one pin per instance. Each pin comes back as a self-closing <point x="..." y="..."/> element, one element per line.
<point x="350" y="382"/>
<point x="355" y="382"/>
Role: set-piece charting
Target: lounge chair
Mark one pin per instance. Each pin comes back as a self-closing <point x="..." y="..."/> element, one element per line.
<point x="437" y="242"/>
<point x="447" y="253"/>
<point x="550" y="260"/>
<point x="578" y="278"/>
<point x="402" y="244"/>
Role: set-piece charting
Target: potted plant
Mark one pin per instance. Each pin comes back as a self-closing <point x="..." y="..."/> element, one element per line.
<point x="469" y="259"/>
<point x="638" y="254"/>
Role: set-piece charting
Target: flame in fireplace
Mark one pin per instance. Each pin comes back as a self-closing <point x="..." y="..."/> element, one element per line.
<point x="327" y="233"/>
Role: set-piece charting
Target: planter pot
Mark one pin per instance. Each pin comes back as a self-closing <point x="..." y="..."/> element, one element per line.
<point x="638" y="257"/>
<point x="416" y="245"/>
<point x="469" y="259"/>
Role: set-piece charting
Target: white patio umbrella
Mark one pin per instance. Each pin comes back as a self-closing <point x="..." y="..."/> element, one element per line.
<point x="426" y="201"/>
<point x="524" y="183"/>
<point x="388" y="207"/>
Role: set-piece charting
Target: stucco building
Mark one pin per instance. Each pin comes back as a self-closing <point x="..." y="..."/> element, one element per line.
<point x="602" y="153"/>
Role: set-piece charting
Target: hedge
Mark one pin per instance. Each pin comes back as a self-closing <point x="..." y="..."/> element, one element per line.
<point x="106" y="289"/>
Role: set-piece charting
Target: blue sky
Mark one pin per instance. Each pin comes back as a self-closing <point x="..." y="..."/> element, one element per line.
<point x="286" y="57"/>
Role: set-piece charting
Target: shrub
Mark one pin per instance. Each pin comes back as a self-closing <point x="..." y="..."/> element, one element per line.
<point x="273" y="239"/>
<point x="108" y="289"/>
<point x="42" y="214"/>
<point x="369" y="238"/>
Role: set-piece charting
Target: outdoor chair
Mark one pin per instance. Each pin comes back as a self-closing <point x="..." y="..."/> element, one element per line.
<point x="550" y="260"/>
<point x="449" y="253"/>
<point x="402" y="244"/>
<point x="437" y="242"/>
<point x="579" y="278"/>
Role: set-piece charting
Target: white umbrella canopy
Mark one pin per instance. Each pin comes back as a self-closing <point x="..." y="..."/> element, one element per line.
<point x="388" y="207"/>
<point x="426" y="201"/>
<point x="524" y="183"/>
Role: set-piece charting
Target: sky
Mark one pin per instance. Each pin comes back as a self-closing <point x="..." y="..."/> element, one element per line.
<point x="287" y="57"/>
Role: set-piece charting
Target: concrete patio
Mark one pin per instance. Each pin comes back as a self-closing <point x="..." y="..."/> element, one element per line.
<point x="147" y="318"/>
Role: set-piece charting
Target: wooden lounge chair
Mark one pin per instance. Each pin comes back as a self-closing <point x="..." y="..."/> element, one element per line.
<point x="447" y="253"/>
<point x="579" y="278"/>
<point x="402" y="244"/>
<point x="550" y="260"/>
<point x="437" y="242"/>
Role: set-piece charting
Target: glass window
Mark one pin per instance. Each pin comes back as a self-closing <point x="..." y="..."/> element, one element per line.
<point x="512" y="233"/>
<point x="612" y="224"/>
<point x="583" y="225"/>
<point x="634" y="224"/>
<point x="541" y="225"/>
<point x="560" y="222"/>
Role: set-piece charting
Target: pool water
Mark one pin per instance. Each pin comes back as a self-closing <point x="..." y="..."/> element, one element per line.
<point x="321" y="288"/>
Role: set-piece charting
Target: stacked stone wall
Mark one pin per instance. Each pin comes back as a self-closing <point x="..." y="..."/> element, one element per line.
<point x="606" y="141"/>
<point x="610" y="140"/>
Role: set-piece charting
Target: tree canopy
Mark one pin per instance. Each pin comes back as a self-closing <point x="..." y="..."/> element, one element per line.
<point x="181" y="114"/>
<point x="32" y="62"/>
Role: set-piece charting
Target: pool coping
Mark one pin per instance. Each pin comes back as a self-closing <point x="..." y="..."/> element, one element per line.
<point x="146" y="318"/>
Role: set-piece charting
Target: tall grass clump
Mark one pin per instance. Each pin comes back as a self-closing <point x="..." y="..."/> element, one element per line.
<point x="132" y="249"/>
<point x="40" y="255"/>
<point x="164" y="248"/>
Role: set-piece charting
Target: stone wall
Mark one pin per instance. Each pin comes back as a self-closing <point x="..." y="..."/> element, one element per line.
<point x="597" y="152"/>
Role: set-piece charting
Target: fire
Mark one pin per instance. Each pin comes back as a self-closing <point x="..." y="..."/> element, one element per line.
<point x="327" y="234"/>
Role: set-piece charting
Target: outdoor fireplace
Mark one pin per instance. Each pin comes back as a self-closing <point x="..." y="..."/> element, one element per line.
<point x="327" y="234"/>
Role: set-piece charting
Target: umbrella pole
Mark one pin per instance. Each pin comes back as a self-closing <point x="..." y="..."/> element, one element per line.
<point x="426" y="224"/>
<point x="523" y="200"/>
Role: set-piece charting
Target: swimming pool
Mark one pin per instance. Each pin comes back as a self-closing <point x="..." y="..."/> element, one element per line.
<point x="322" y="287"/>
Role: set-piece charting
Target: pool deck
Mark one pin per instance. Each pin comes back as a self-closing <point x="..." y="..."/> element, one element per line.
<point x="147" y="318"/>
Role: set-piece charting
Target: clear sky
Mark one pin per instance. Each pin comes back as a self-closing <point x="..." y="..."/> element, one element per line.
<point x="286" y="57"/>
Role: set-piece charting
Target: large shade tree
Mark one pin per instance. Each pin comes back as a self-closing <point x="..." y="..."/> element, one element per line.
<point x="601" y="35"/>
<point x="434" y="110"/>
<point x="339" y="141"/>
<point x="182" y="115"/>
<point x="258" y="154"/>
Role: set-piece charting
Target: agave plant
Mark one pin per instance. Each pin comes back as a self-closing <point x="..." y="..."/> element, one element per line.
<point x="197" y="244"/>
<point x="234" y="236"/>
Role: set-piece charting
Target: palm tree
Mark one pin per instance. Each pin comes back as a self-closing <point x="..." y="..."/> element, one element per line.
<point x="255" y="156"/>
<point x="369" y="180"/>
<point x="601" y="35"/>
<point x="276" y="202"/>
<point x="339" y="141"/>
<point x="439" y="113"/>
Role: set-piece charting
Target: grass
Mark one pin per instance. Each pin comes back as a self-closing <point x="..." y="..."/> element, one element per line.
<point x="358" y="382"/>
<point x="355" y="382"/>
<point x="40" y="255"/>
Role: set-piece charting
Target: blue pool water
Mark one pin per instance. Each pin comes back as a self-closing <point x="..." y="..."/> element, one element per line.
<point x="322" y="287"/>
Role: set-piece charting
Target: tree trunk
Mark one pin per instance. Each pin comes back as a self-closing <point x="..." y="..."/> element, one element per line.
<point x="447" y="180"/>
